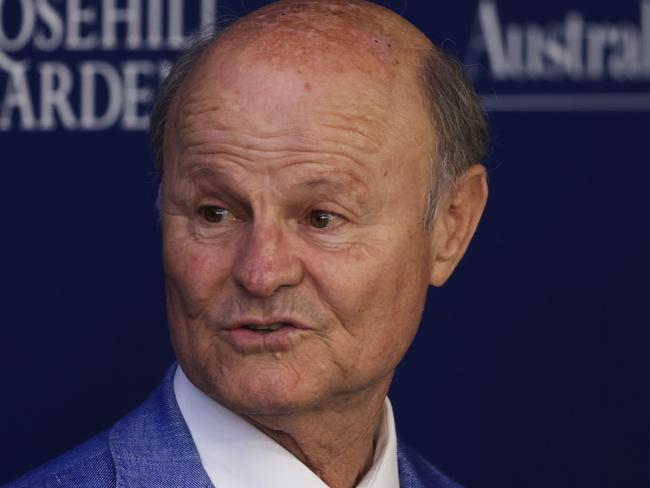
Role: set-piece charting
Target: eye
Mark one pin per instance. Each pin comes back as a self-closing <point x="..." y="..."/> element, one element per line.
<point x="213" y="214"/>
<point x="321" y="219"/>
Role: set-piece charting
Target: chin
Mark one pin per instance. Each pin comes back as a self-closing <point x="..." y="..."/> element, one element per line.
<point x="264" y="400"/>
<point x="259" y="390"/>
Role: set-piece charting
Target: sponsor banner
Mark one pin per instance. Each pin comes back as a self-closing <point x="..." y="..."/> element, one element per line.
<point x="573" y="63"/>
<point x="81" y="65"/>
<point x="89" y="65"/>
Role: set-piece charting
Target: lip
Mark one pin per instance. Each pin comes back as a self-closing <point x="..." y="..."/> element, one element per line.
<point x="244" y="321"/>
<point x="247" y="341"/>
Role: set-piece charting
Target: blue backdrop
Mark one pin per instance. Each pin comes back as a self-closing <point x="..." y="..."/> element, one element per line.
<point x="531" y="367"/>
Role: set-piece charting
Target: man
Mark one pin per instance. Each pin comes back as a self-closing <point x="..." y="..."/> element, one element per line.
<point x="320" y="167"/>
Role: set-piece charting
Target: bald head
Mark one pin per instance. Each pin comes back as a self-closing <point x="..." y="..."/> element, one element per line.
<point x="334" y="35"/>
<point x="316" y="38"/>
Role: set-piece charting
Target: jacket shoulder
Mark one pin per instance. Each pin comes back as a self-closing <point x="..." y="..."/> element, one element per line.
<point x="417" y="472"/>
<point x="89" y="465"/>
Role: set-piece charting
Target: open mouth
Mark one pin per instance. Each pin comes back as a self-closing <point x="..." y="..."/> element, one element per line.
<point x="250" y="336"/>
<point x="267" y="328"/>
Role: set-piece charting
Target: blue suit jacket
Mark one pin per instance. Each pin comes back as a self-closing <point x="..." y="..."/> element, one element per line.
<point x="152" y="448"/>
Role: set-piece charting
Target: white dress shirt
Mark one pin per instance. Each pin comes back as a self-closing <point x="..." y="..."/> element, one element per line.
<point x="235" y="454"/>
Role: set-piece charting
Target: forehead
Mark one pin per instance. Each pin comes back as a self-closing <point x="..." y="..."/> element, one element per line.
<point x="258" y="97"/>
<point x="259" y="100"/>
<point x="311" y="76"/>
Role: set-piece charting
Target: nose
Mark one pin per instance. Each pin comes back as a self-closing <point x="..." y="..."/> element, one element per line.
<point x="266" y="262"/>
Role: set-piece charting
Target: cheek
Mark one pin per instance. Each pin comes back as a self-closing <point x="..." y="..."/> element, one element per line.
<point x="346" y="283"/>
<point x="195" y="271"/>
<point x="374" y="274"/>
<point x="377" y="294"/>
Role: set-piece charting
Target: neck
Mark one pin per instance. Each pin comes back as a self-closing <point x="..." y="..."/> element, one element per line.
<point x="337" y="444"/>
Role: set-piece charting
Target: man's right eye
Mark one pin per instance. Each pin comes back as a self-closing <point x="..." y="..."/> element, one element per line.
<point x="213" y="214"/>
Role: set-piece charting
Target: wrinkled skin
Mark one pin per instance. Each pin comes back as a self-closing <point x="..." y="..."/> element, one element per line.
<point x="294" y="191"/>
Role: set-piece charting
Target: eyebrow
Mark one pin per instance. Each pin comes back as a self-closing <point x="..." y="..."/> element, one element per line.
<point x="340" y="184"/>
<point x="320" y="183"/>
<point x="201" y="180"/>
<point x="201" y="172"/>
<point x="351" y="188"/>
<point x="203" y="177"/>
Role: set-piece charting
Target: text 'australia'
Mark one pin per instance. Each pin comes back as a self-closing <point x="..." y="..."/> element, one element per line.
<point x="571" y="49"/>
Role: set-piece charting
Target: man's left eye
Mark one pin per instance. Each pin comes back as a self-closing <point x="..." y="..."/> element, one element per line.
<point x="321" y="219"/>
<point x="213" y="214"/>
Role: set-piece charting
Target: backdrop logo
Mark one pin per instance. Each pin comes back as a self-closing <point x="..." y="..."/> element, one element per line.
<point x="573" y="54"/>
<point x="88" y="65"/>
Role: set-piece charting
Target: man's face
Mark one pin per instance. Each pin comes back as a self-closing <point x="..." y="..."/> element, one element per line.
<point x="295" y="256"/>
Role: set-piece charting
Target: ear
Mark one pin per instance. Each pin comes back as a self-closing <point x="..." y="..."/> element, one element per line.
<point x="457" y="217"/>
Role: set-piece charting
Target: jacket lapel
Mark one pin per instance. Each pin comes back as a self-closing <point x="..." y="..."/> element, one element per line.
<point x="416" y="472"/>
<point x="152" y="446"/>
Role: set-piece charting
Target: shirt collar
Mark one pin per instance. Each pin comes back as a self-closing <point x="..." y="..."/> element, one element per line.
<point x="237" y="455"/>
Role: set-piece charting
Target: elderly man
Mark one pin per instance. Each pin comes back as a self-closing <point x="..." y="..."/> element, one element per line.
<point x="320" y="167"/>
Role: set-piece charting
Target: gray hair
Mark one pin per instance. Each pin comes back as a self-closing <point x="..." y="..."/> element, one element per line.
<point x="170" y="84"/>
<point x="459" y="124"/>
